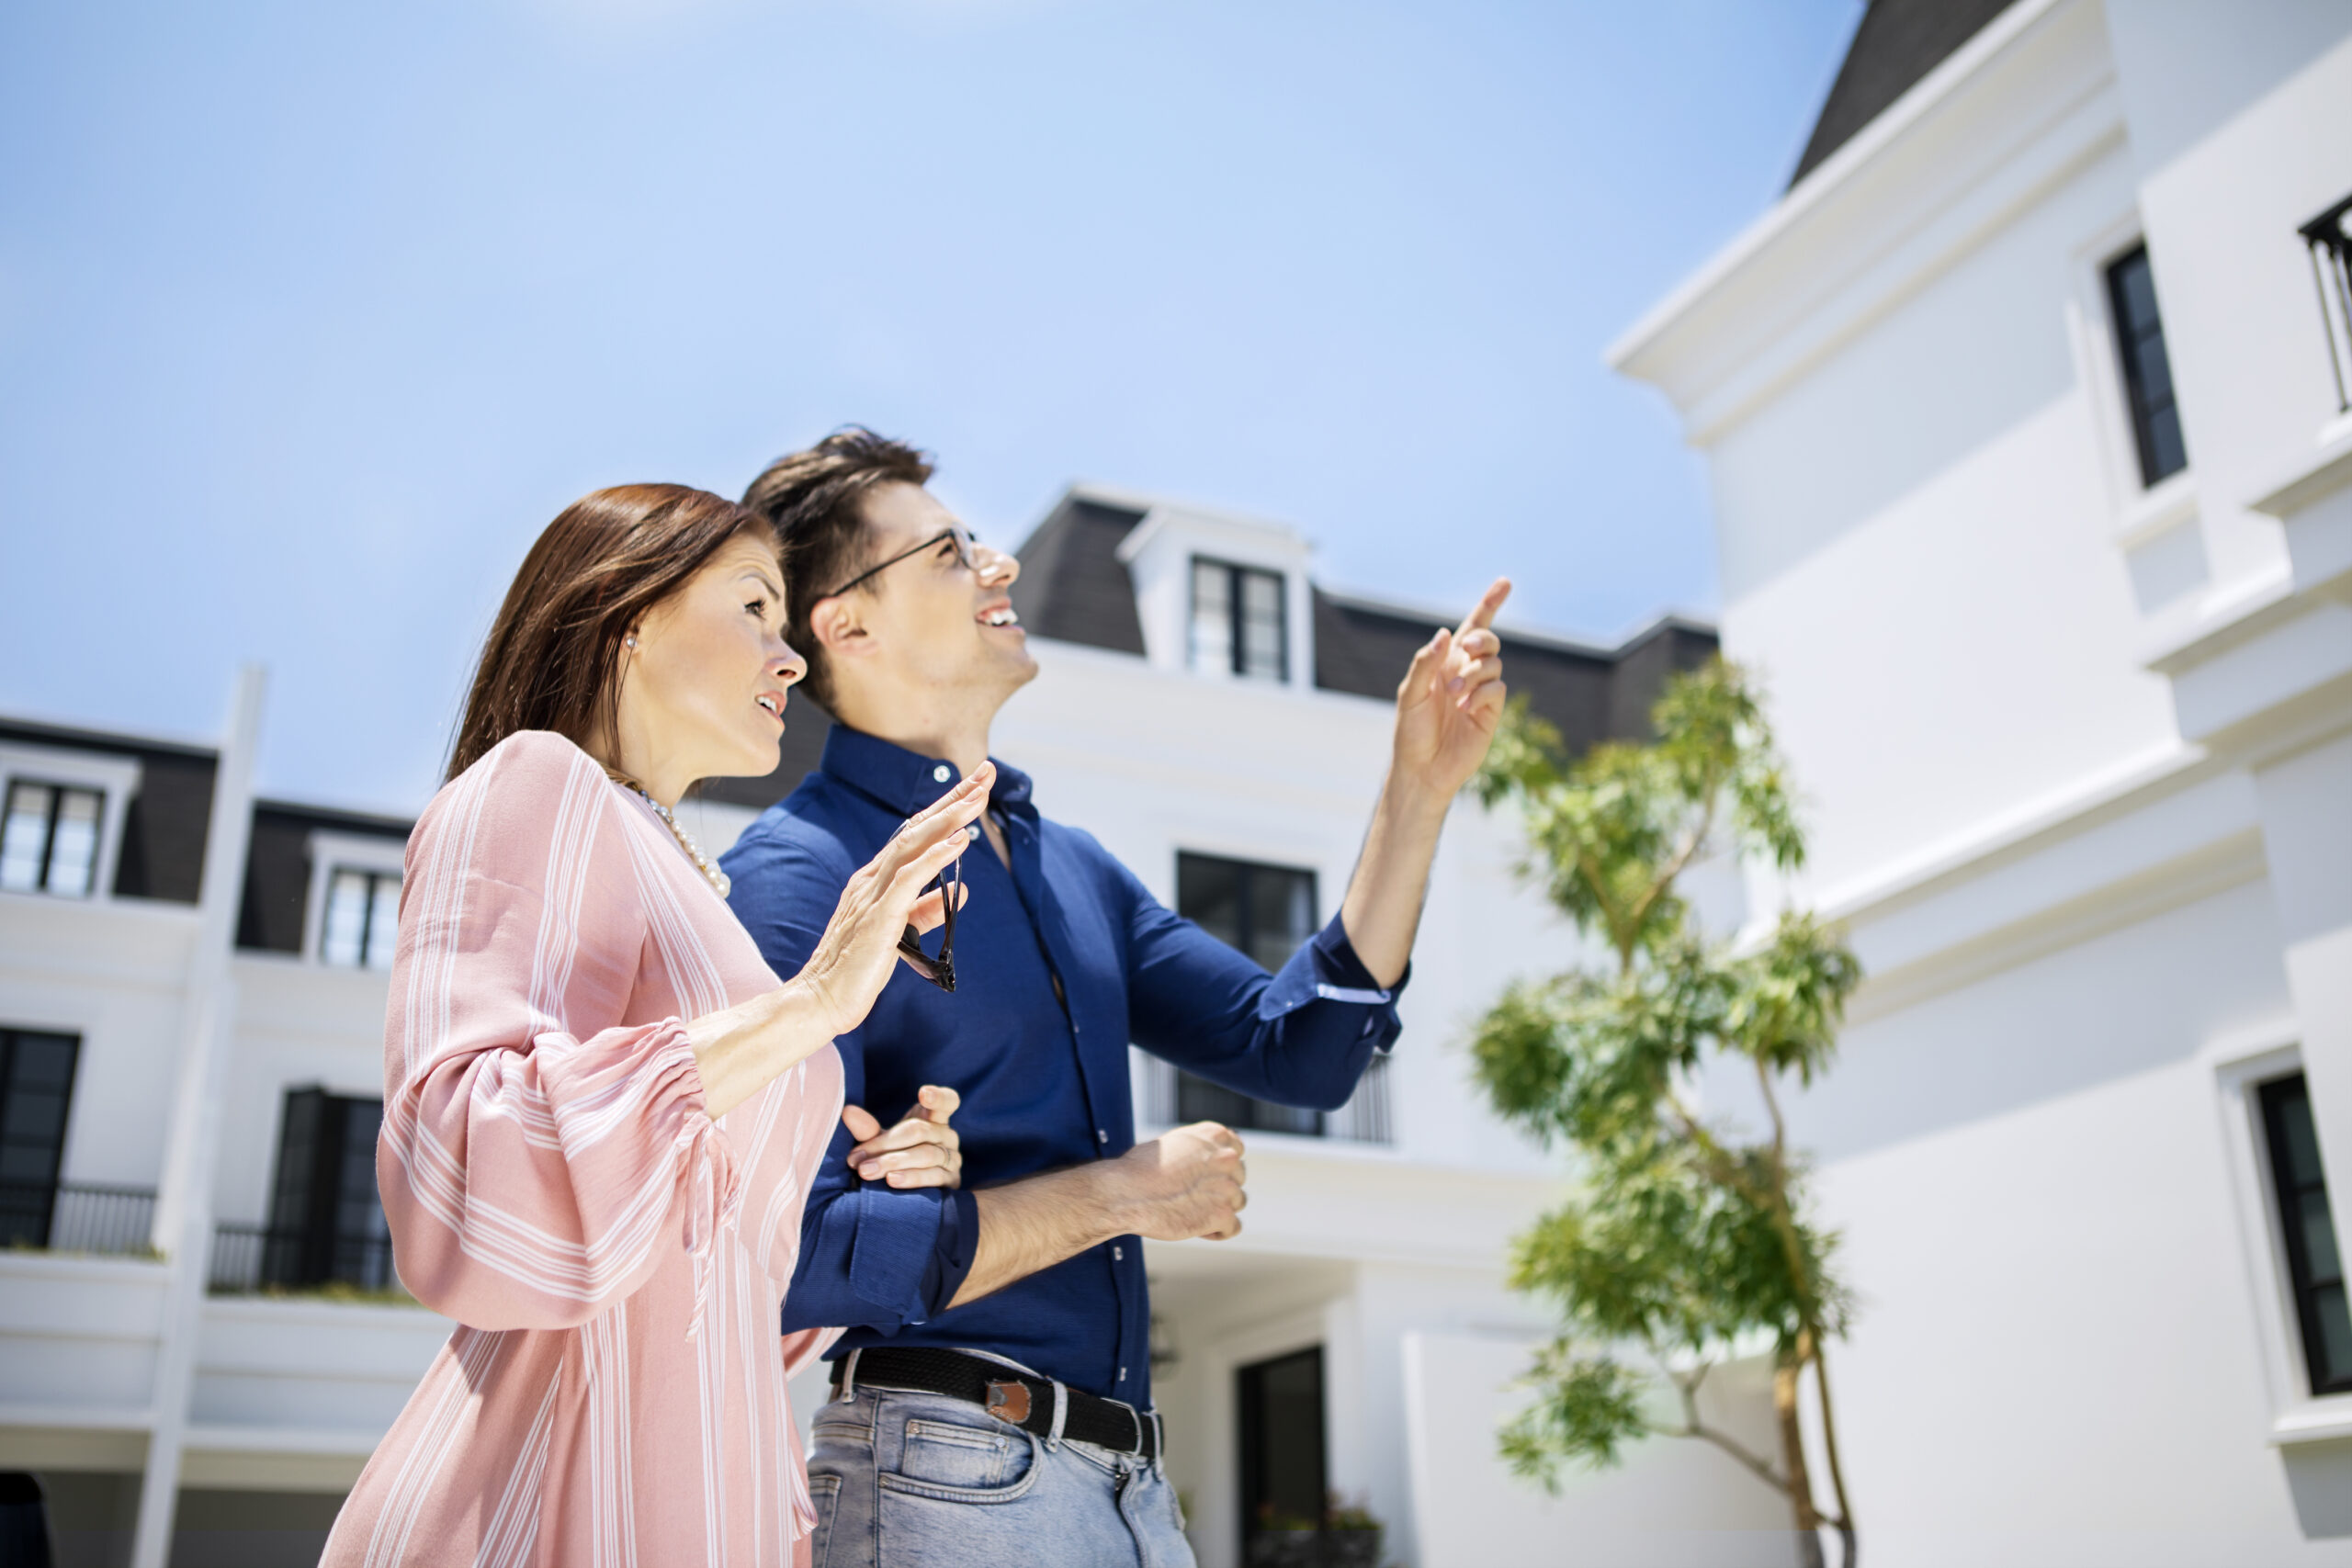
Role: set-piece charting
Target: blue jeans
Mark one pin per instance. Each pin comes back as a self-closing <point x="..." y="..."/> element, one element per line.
<point x="922" y="1481"/>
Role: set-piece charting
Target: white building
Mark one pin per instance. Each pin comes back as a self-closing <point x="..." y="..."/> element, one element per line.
<point x="2025" y="412"/>
<point x="192" y="990"/>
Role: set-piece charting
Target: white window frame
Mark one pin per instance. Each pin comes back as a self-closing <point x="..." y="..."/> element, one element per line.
<point x="331" y="852"/>
<point x="116" y="778"/>
<point x="2240" y="1066"/>
<point x="1235" y="570"/>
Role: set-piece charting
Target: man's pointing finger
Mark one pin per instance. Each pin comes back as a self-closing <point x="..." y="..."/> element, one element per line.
<point x="1489" y="603"/>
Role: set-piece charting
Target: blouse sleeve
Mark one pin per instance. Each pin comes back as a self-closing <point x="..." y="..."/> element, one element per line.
<point x="538" y="1159"/>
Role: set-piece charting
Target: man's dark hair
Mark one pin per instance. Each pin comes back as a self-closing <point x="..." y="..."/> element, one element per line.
<point x="817" y="501"/>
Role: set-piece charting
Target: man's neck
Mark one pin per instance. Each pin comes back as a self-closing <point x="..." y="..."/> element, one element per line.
<point x="965" y="744"/>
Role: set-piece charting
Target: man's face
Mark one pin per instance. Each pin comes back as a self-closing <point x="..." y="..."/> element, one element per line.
<point x="938" y="625"/>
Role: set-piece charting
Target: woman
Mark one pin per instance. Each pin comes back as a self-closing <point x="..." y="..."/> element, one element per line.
<point x="601" y="1111"/>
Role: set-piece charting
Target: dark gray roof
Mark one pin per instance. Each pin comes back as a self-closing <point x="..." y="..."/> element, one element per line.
<point x="165" y="828"/>
<point x="1898" y="43"/>
<point x="1073" y="587"/>
<point x="277" y="868"/>
<point x="1589" y="694"/>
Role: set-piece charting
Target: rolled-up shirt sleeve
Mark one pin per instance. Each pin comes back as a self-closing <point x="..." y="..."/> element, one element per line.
<point x="871" y="1256"/>
<point x="1300" y="1037"/>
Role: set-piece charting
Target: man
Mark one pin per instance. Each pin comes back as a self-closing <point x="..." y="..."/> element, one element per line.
<point x="992" y="1402"/>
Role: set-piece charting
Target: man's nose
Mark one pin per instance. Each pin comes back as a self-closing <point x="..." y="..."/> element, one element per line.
<point x="997" y="569"/>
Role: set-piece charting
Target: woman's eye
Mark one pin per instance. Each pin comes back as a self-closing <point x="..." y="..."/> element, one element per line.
<point x="757" y="607"/>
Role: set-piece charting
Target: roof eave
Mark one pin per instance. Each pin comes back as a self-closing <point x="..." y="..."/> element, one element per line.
<point x="1642" y="349"/>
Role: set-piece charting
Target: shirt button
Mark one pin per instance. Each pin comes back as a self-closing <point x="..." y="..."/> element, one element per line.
<point x="942" y="773"/>
<point x="1101" y="1136"/>
<point x="972" y="831"/>
<point x="1122" y="1374"/>
<point x="1118" y="1255"/>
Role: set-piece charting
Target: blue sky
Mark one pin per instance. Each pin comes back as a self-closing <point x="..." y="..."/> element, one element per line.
<point x="312" y="316"/>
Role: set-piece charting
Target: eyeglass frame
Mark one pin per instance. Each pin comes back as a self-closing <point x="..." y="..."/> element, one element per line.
<point x="940" y="970"/>
<point x="967" y="554"/>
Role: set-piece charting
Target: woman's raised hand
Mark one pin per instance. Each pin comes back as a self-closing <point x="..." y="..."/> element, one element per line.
<point x="853" y="958"/>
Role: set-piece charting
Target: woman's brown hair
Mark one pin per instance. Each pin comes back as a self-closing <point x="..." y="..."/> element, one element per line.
<point x="552" y="656"/>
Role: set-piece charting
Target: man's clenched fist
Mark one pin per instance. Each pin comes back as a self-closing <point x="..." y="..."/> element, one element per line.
<point x="1182" y="1184"/>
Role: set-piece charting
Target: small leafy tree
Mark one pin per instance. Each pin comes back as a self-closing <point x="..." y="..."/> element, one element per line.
<point x="1683" y="1234"/>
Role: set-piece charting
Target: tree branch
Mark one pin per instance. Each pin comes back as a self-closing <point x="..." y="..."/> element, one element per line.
<point x="1694" y="1428"/>
<point x="1829" y="1446"/>
<point x="1720" y="1164"/>
<point x="1780" y="1128"/>
<point x="1680" y="860"/>
<point x="1763" y="1470"/>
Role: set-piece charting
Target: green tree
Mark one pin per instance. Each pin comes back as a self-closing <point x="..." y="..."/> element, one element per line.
<point x="1685" y="1235"/>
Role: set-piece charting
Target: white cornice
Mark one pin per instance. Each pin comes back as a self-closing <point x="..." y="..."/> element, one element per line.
<point x="2024" y="104"/>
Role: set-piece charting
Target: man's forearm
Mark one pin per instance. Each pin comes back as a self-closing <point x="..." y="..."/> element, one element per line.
<point x="1035" y="1223"/>
<point x="1382" y="909"/>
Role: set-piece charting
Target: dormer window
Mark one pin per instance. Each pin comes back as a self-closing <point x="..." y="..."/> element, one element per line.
<point x="49" y="838"/>
<point x="1238" y="627"/>
<point x="362" y="919"/>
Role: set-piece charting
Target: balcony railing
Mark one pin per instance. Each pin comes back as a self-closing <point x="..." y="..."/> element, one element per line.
<point x="1171" y="1097"/>
<point x="246" y="1258"/>
<point x="75" y="1216"/>
<point x="2329" y="235"/>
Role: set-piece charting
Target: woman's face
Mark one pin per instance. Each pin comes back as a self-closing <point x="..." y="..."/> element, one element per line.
<point x="703" y="692"/>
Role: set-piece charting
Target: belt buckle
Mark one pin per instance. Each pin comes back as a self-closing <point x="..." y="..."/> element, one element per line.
<point x="1009" y="1402"/>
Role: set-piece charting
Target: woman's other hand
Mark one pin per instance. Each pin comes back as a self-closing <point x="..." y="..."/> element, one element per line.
<point x="853" y="959"/>
<point x="922" y="1150"/>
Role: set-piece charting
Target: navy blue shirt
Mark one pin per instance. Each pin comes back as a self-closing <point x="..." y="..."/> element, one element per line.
<point x="1060" y="961"/>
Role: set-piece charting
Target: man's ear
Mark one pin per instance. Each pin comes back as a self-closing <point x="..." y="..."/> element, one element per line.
<point x="838" y="629"/>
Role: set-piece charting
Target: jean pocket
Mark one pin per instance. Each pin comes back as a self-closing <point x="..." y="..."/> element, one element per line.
<point x="825" y="1497"/>
<point x="965" y="1464"/>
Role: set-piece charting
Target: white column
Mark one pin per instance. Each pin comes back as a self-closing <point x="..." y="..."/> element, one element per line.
<point x="184" y="1203"/>
<point x="2306" y="838"/>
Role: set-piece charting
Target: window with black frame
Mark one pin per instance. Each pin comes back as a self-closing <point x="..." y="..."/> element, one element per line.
<point x="1267" y="911"/>
<point x="1240" y="625"/>
<point x="2147" y="368"/>
<point x="360" y="925"/>
<point x="36" y="1092"/>
<point x="49" y="838"/>
<point x="326" y="1221"/>
<point x="2307" y="1227"/>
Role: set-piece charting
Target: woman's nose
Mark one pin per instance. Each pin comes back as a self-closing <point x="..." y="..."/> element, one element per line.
<point x="791" y="669"/>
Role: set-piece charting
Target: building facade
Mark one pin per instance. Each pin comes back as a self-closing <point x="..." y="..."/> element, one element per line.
<point x="2026" y="415"/>
<point x="199" y="1293"/>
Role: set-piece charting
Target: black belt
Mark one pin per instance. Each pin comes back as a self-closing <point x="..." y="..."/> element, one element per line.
<point x="1025" y="1401"/>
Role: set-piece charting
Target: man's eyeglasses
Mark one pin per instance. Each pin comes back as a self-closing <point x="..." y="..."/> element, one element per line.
<point x="962" y="537"/>
<point x="938" y="971"/>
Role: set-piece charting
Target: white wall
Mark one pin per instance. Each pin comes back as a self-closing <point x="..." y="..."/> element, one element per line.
<point x="2065" y="757"/>
<point x="1919" y="555"/>
<point x="1675" y="1503"/>
<point x="112" y="972"/>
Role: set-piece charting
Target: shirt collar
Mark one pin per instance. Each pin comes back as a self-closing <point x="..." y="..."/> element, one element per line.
<point x="903" y="781"/>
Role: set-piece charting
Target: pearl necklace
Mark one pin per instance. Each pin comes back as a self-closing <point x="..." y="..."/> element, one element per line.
<point x="710" y="874"/>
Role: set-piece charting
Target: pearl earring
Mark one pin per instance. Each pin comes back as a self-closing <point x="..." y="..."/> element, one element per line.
<point x="630" y="640"/>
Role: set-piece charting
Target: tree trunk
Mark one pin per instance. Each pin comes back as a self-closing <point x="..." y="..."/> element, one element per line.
<point x="1800" y="1483"/>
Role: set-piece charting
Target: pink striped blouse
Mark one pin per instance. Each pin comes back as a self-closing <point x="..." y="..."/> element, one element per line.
<point x="616" y="1395"/>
